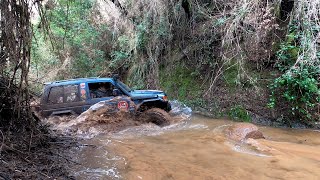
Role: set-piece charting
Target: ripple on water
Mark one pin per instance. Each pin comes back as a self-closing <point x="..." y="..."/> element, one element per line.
<point x="198" y="126"/>
<point x="98" y="173"/>
<point x="245" y="148"/>
<point x="194" y="150"/>
<point x="96" y="163"/>
<point x="147" y="130"/>
<point x="219" y="129"/>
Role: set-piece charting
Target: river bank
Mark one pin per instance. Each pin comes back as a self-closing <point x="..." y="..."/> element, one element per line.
<point x="46" y="157"/>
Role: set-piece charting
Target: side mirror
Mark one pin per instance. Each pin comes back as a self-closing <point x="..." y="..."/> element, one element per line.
<point x="116" y="92"/>
<point x="115" y="77"/>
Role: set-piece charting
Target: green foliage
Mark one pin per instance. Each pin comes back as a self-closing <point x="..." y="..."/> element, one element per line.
<point x="235" y="77"/>
<point x="137" y="74"/>
<point x="76" y="37"/>
<point x="142" y="38"/>
<point x="86" y="66"/>
<point x="182" y="84"/>
<point x="152" y="34"/>
<point x="40" y="51"/>
<point x="162" y="30"/>
<point x="120" y="56"/>
<point x="298" y="85"/>
<point x="239" y="113"/>
<point x="289" y="50"/>
<point x="231" y="76"/>
<point x="42" y="55"/>
<point x="220" y="21"/>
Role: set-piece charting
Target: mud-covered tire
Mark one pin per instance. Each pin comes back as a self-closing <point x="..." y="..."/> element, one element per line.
<point x="156" y="116"/>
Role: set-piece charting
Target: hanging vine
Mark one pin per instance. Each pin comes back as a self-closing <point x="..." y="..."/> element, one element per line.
<point x="15" y="44"/>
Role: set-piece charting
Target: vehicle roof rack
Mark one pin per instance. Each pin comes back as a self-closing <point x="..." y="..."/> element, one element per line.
<point x="76" y="79"/>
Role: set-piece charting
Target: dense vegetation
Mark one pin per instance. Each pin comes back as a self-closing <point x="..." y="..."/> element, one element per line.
<point x="26" y="149"/>
<point x="232" y="58"/>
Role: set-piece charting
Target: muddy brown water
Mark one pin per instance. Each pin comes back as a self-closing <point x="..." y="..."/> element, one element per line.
<point x="198" y="149"/>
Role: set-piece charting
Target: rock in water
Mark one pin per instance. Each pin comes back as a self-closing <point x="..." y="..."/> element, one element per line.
<point x="242" y="131"/>
<point x="254" y="135"/>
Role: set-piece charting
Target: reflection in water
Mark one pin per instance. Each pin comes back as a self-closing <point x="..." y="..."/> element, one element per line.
<point x="198" y="149"/>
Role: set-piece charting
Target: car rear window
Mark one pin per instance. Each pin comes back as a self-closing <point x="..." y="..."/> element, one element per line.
<point x="56" y="95"/>
<point x="63" y="94"/>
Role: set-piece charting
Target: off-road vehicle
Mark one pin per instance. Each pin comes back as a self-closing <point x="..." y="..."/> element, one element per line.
<point x="75" y="96"/>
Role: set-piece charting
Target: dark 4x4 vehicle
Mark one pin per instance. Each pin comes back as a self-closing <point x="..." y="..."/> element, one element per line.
<point x="75" y="96"/>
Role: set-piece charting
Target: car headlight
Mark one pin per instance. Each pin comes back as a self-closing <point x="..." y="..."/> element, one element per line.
<point x="165" y="98"/>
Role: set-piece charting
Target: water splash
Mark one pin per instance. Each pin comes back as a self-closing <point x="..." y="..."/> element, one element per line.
<point x="96" y="121"/>
<point x="180" y="109"/>
<point x="180" y="114"/>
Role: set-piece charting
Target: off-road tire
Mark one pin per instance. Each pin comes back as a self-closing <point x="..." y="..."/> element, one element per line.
<point x="156" y="116"/>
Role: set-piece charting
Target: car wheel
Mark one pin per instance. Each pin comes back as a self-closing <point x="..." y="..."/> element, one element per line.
<point x="157" y="116"/>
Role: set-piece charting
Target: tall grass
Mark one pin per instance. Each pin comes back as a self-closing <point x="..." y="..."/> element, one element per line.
<point x="306" y="16"/>
<point x="246" y="28"/>
<point x="154" y="23"/>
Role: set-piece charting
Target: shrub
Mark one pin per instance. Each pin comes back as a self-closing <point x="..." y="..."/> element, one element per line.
<point x="298" y="86"/>
<point x="239" y="113"/>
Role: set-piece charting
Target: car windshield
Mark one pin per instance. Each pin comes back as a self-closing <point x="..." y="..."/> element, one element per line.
<point x="124" y="86"/>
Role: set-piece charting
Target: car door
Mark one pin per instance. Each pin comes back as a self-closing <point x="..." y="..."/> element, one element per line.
<point x="64" y="99"/>
<point x="96" y="93"/>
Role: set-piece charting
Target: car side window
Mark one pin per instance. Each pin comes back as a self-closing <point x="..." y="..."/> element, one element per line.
<point x="63" y="94"/>
<point x="71" y="93"/>
<point x="56" y="95"/>
<point x="101" y="89"/>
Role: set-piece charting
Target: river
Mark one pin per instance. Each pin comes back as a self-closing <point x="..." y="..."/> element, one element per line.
<point x="198" y="149"/>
